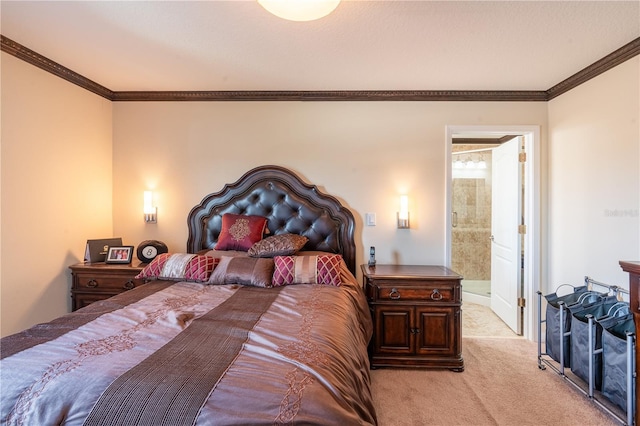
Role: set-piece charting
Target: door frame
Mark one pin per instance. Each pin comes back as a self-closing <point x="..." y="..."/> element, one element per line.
<point x="531" y="209"/>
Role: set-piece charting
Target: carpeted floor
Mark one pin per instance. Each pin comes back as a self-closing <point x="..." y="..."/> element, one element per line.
<point x="501" y="385"/>
<point x="480" y="321"/>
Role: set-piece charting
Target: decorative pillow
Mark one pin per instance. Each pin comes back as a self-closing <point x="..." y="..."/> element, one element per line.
<point x="179" y="267"/>
<point x="278" y="245"/>
<point x="321" y="269"/>
<point x="219" y="253"/>
<point x="253" y="271"/>
<point x="240" y="232"/>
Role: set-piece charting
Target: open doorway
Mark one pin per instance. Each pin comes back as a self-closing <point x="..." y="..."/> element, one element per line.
<point x="471" y="196"/>
<point x="470" y="159"/>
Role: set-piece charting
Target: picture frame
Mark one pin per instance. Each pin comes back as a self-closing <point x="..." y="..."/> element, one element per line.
<point x="96" y="250"/>
<point x="119" y="254"/>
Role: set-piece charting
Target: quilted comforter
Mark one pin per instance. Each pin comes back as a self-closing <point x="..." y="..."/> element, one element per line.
<point x="180" y="353"/>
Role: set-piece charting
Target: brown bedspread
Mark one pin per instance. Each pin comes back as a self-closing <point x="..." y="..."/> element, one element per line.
<point x="206" y="355"/>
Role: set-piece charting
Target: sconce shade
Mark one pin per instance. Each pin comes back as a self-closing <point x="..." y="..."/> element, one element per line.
<point x="149" y="210"/>
<point x="148" y="202"/>
<point x="403" y="214"/>
<point x="300" y="10"/>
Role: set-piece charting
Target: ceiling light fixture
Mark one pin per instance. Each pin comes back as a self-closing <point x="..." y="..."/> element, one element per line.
<point x="300" y="10"/>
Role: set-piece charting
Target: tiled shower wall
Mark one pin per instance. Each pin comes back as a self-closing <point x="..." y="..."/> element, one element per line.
<point x="471" y="243"/>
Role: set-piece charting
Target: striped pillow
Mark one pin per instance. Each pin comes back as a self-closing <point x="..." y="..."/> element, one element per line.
<point x="179" y="267"/>
<point x="321" y="269"/>
<point x="253" y="271"/>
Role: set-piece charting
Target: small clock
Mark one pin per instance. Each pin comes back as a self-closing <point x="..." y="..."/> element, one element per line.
<point x="149" y="249"/>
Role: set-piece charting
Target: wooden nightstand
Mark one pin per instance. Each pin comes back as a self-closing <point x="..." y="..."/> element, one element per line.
<point x="416" y="312"/>
<point x="98" y="281"/>
<point x="633" y="268"/>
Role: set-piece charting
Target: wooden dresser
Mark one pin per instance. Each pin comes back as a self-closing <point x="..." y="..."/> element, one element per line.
<point x="98" y="281"/>
<point x="416" y="311"/>
<point x="633" y="268"/>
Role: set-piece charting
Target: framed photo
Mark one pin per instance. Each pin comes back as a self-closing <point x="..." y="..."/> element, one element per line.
<point x="119" y="254"/>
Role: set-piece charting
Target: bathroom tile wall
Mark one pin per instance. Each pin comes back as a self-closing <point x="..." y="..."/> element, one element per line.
<point x="471" y="244"/>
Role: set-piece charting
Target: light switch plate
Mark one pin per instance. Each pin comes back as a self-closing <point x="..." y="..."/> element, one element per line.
<point x="370" y="219"/>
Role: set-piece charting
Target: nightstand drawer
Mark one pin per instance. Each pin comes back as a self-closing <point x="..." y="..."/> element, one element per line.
<point x="102" y="282"/>
<point x="424" y="291"/>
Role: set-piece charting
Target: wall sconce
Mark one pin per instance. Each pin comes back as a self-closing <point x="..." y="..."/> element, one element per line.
<point x="403" y="214"/>
<point x="150" y="211"/>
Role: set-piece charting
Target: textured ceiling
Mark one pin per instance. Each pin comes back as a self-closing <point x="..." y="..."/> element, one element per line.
<point x="363" y="45"/>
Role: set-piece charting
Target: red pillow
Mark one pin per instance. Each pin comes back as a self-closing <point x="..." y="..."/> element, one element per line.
<point x="321" y="269"/>
<point x="240" y="232"/>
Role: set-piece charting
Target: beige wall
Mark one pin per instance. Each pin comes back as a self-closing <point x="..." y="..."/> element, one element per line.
<point x="59" y="178"/>
<point x="56" y="189"/>
<point x="594" y="175"/>
<point x="365" y="153"/>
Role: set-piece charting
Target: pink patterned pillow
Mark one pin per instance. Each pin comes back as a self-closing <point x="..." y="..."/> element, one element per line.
<point x="179" y="267"/>
<point x="321" y="269"/>
<point x="240" y="232"/>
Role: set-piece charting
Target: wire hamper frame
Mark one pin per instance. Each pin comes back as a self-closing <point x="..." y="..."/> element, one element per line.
<point x="557" y="362"/>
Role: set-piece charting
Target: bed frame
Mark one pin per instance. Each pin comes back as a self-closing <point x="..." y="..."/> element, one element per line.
<point x="290" y="206"/>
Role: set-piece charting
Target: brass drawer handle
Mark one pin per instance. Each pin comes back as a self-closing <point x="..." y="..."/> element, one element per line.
<point x="394" y="294"/>
<point x="92" y="283"/>
<point x="129" y="285"/>
<point x="436" y="295"/>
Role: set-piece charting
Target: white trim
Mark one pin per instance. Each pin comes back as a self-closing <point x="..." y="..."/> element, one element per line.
<point x="532" y="210"/>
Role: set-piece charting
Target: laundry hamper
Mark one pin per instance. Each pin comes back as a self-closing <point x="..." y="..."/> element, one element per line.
<point x="617" y="354"/>
<point x="581" y="348"/>
<point x="557" y="332"/>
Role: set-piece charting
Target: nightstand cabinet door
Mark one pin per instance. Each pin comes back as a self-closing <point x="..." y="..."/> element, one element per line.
<point x="394" y="325"/>
<point x="437" y="331"/>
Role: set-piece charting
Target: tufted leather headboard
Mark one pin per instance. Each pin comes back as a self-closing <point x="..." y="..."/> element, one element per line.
<point x="290" y="206"/>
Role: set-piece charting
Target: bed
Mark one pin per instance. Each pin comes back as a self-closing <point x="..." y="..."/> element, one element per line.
<point x="241" y="329"/>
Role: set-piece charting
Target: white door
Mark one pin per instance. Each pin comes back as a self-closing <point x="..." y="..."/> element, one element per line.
<point x="505" y="239"/>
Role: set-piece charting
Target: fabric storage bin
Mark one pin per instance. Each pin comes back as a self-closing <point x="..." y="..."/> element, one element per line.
<point x="614" y="360"/>
<point x="555" y="331"/>
<point x="581" y="350"/>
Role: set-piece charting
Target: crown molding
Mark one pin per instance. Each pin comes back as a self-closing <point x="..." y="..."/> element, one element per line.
<point x="335" y="95"/>
<point x="612" y="60"/>
<point x="621" y="55"/>
<point x="19" y="51"/>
